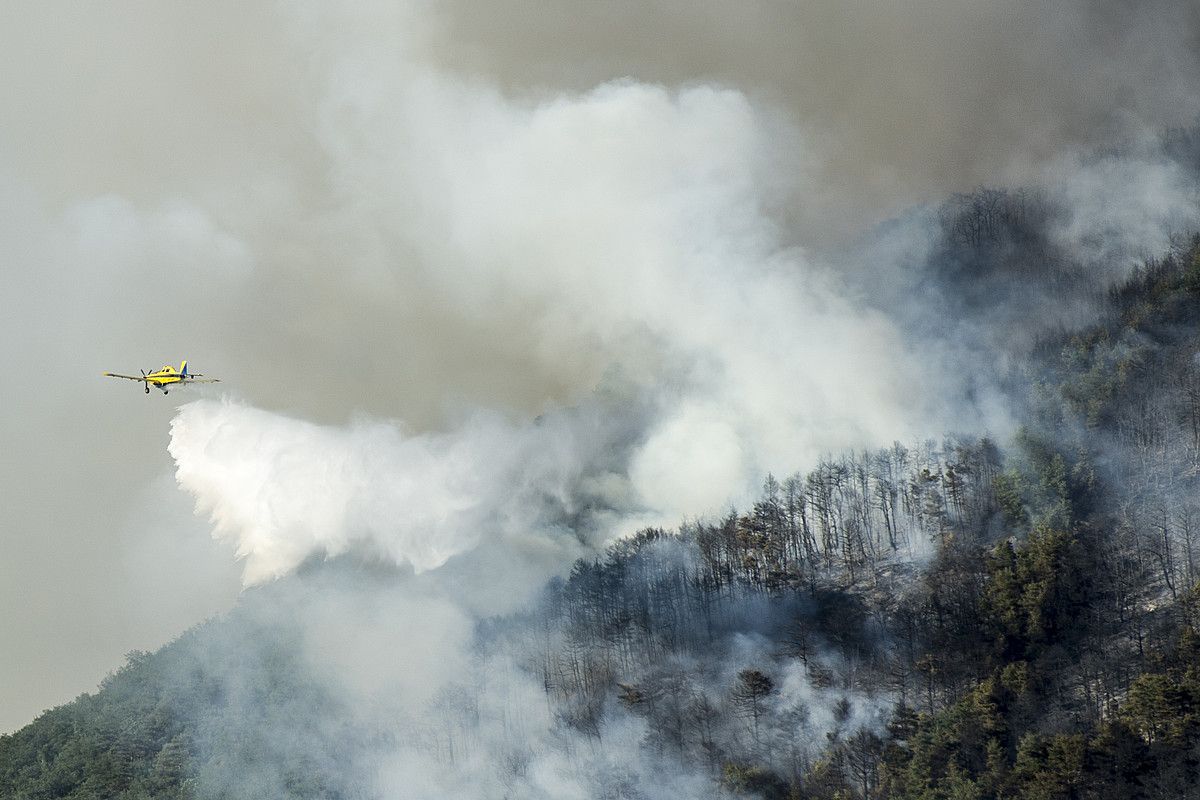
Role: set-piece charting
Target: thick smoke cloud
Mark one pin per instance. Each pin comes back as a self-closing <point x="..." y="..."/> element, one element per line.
<point x="904" y="102"/>
<point x="624" y="225"/>
<point x="620" y="231"/>
<point x="416" y="212"/>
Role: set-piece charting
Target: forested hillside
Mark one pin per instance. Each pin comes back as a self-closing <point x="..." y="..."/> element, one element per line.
<point x="963" y="618"/>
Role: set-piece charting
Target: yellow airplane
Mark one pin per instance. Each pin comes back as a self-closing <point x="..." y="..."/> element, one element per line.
<point x="167" y="376"/>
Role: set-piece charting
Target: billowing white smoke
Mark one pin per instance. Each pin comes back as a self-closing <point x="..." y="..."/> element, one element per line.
<point x="632" y="226"/>
<point x="624" y="231"/>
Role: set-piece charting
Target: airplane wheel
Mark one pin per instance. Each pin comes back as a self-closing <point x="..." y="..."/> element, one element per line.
<point x="165" y="391"/>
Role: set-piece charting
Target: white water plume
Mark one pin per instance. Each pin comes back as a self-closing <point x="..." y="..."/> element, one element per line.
<point x="282" y="489"/>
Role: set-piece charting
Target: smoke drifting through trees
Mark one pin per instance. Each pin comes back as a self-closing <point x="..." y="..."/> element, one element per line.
<point x="732" y="652"/>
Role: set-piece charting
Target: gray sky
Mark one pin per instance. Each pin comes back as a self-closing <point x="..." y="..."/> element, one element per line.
<point x="408" y="211"/>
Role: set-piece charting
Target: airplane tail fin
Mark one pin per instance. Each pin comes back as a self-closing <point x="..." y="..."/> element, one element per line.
<point x="183" y="368"/>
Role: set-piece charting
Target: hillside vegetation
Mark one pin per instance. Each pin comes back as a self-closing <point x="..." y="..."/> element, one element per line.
<point x="946" y="620"/>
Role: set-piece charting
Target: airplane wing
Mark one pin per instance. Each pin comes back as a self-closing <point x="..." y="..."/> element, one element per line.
<point x="126" y="377"/>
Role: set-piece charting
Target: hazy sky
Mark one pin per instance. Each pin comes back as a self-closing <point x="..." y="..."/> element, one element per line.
<point x="412" y="211"/>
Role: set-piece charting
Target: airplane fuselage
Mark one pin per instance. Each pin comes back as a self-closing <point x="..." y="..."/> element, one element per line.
<point x="167" y="376"/>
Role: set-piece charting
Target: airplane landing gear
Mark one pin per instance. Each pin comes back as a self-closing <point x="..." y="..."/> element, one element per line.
<point x="147" y="390"/>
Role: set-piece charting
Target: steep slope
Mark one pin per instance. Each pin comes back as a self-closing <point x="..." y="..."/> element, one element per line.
<point x="951" y="619"/>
